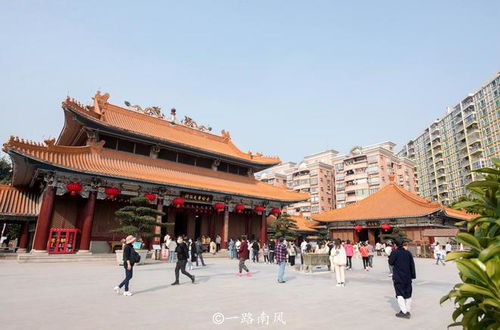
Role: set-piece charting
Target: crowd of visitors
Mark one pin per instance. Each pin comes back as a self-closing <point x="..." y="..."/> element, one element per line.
<point x="186" y="252"/>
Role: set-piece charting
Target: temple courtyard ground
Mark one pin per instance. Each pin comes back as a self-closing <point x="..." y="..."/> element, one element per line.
<point x="79" y="295"/>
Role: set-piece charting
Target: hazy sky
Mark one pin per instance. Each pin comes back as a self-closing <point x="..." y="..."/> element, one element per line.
<point x="284" y="77"/>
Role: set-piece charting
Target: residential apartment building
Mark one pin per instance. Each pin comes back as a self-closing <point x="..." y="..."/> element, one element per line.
<point x="334" y="180"/>
<point x="313" y="175"/>
<point x="365" y="170"/>
<point x="466" y="137"/>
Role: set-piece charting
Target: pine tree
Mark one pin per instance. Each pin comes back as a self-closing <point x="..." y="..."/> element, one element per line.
<point x="138" y="219"/>
<point x="285" y="227"/>
<point x="5" y="171"/>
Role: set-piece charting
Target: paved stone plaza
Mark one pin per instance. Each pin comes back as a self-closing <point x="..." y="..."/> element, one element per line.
<point x="80" y="296"/>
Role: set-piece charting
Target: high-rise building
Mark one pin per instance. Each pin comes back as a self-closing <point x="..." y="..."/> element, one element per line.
<point x="365" y="170"/>
<point x="334" y="180"/>
<point x="466" y="137"/>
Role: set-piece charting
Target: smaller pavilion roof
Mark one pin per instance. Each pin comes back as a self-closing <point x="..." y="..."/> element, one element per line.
<point x="15" y="202"/>
<point x="390" y="202"/>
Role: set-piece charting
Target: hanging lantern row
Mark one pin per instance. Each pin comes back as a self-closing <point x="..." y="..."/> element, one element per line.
<point x="151" y="197"/>
<point x="259" y="209"/>
<point x="111" y="192"/>
<point x="358" y="228"/>
<point x="386" y="227"/>
<point x="219" y="207"/>
<point x="178" y="202"/>
<point x="239" y="208"/>
<point x="74" y="188"/>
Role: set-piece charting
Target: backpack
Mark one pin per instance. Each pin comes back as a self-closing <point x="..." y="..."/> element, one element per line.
<point x="255" y="245"/>
<point x="136" y="258"/>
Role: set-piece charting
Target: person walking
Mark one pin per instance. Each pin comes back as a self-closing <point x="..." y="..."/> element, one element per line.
<point x="303" y="248"/>
<point x="402" y="276"/>
<point x="243" y="256"/>
<point x="439" y="254"/>
<point x="230" y="247"/>
<point x="448" y="247"/>
<point x="281" y="253"/>
<point x="378" y="248"/>
<point x="218" y="241"/>
<point x="199" y="252"/>
<point x="265" y="252"/>
<point x="339" y="260"/>
<point x="182" y="256"/>
<point x="349" y="252"/>
<point x="129" y="259"/>
<point x="256" y="249"/>
<point x="192" y="254"/>
<point x="213" y="247"/>
<point x="272" y="246"/>
<point x="371" y="254"/>
<point x="292" y="252"/>
<point x="388" y="251"/>
<point x="363" y="250"/>
<point x="172" y="245"/>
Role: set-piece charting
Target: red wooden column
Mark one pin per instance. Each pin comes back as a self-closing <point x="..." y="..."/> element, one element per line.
<point x="156" y="229"/>
<point x="263" y="229"/>
<point x="23" y="240"/>
<point x="225" y="229"/>
<point x="87" y="221"/>
<point x="44" y="220"/>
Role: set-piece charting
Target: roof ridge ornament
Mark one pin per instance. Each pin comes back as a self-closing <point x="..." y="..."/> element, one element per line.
<point x="225" y="134"/>
<point x="153" y="111"/>
<point x="189" y="122"/>
<point x="100" y="102"/>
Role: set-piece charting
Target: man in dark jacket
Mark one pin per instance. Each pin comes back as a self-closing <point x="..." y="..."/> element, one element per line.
<point x="402" y="275"/>
<point x="182" y="257"/>
<point x="199" y="252"/>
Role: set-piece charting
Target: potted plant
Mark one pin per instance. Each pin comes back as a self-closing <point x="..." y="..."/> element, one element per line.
<point x="138" y="219"/>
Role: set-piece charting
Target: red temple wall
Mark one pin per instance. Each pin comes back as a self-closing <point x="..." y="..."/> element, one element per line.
<point x="105" y="220"/>
<point x="65" y="212"/>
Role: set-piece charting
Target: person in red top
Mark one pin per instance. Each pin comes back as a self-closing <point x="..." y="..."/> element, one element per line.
<point x="365" y="254"/>
<point x="243" y="256"/>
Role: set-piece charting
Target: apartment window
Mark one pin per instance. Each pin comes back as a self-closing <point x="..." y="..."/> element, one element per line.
<point x="372" y="159"/>
<point x="372" y="169"/>
<point x="314" y="181"/>
<point x="373" y="190"/>
<point x="339" y="166"/>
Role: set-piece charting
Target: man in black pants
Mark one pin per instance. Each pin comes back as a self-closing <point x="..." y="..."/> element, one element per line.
<point x="272" y="246"/>
<point x="182" y="257"/>
<point x="402" y="275"/>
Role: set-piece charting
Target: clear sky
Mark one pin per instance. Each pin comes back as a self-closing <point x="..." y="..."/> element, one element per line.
<point x="284" y="77"/>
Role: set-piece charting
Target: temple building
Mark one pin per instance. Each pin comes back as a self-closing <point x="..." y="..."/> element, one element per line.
<point x="65" y="191"/>
<point x="392" y="206"/>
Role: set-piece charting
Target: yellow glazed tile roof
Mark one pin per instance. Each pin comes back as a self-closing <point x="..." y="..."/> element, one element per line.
<point x="96" y="160"/>
<point x="134" y="122"/>
<point x="392" y="201"/>
<point x="18" y="202"/>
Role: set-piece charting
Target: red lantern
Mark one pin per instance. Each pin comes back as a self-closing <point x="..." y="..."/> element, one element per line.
<point x="111" y="192"/>
<point x="239" y="208"/>
<point x="358" y="228"/>
<point x="150" y="197"/>
<point x="219" y="206"/>
<point x="74" y="188"/>
<point x="178" y="202"/>
<point x="385" y="227"/>
<point x="275" y="211"/>
<point x="259" y="209"/>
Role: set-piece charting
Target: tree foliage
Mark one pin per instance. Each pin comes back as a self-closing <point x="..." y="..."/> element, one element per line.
<point x="474" y="207"/>
<point x="396" y="234"/>
<point x="285" y="227"/>
<point x="477" y="297"/>
<point x="5" y="171"/>
<point x="138" y="219"/>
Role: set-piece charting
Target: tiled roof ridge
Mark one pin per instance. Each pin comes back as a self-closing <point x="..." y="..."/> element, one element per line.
<point x="96" y="160"/>
<point x="106" y="108"/>
<point x="414" y="197"/>
<point x="16" y="201"/>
